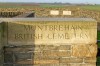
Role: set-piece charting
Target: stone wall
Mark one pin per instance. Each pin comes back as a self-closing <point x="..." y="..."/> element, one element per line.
<point x="7" y="14"/>
<point x="51" y="42"/>
<point x="50" y="55"/>
<point x="75" y="12"/>
<point x="45" y="12"/>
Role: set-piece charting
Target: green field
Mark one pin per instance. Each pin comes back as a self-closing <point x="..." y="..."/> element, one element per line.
<point x="51" y="6"/>
<point x="18" y="5"/>
<point x="91" y="7"/>
<point x="32" y="5"/>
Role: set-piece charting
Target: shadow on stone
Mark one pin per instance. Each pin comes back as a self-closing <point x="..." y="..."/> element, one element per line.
<point x="21" y="54"/>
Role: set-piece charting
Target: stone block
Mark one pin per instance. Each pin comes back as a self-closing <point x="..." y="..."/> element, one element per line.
<point x="25" y="62"/>
<point x="64" y="64"/>
<point x="51" y="31"/>
<point x="45" y="47"/>
<point x="47" y="55"/>
<point x="89" y="50"/>
<point x="20" y="48"/>
<point x="65" y="47"/>
<point x="81" y="64"/>
<point x="90" y="60"/>
<point x="64" y="54"/>
<point x="8" y="57"/>
<point x="50" y="64"/>
<point x="40" y="62"/>
<point x="71" y="60"/>
<point x="22" y="56"/>
<point x="50" y="53"/>
<point x="8" y="65"/>
<point x="23" y="65"/>
<point x="88" y="64"/>
<point x="75" y="64"/>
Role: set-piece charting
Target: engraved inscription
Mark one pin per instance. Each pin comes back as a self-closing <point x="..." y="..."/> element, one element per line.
<point x="65" y="35"/>
<point x="52" y="32"/>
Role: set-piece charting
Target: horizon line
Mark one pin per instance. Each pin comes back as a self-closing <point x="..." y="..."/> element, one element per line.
<point x="50" y="2"/>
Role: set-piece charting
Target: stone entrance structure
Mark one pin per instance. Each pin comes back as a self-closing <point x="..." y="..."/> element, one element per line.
<point x="49" y="41"/>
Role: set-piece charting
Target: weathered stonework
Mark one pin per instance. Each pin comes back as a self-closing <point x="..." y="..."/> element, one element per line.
<point x="50" y="41"/>
<point x="84" y="50"/>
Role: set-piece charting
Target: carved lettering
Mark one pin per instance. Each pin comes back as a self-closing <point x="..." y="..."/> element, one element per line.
<point x="52" y="32"/>
<point x="28" y="36"/>
<point x="54" y="27"/>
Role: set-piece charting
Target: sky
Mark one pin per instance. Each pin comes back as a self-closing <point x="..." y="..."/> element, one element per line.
<point x="52" y="1"/>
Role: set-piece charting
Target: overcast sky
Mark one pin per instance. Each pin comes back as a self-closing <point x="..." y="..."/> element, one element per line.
<point x="51" y="1"/>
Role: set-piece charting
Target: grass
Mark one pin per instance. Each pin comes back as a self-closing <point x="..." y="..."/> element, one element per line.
<point x="98" y="61"/>
<point x="98" y="38"/>
<point x="98" y="44"/>
<point x="30" y="5"/>
<point x="98" y="35"/>
<point x="53" y="6"/>
<point x="91" y="7"/>
<point x="17" y="6"/>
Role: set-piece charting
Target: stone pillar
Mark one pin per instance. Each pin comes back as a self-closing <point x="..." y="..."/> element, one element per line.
<point x="56" y="41"/>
